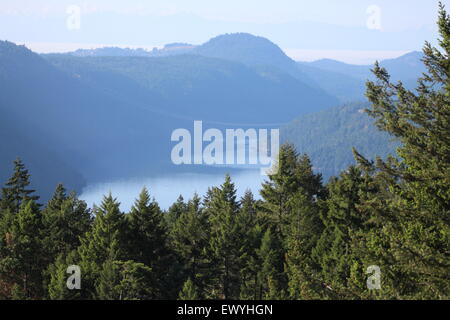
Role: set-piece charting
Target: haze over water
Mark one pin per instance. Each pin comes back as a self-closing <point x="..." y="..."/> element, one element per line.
<point x="166" y="189"/>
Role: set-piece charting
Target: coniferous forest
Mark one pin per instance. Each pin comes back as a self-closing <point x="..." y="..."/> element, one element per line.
<point x="304" y="239"/>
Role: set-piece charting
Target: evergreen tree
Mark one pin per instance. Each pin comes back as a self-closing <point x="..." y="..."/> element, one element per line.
<point x="189" y="291"/>
<point x="251" y="264"/>
<point x="305" y="228"/>
<point x="280" y="186"/>
<point x="102" y="243"/>
<point x="414" y="227"/>
<point x="189" y="239"/>
<point x="342" y="218"/>
<point x="108" y="281"/>
<point x="23" y="263"/>
<point x="291" y="202"/>
<point x="251" y="242"/>
<point x="137" y="281"/>
<point x="20" y="247"/>
<point x="16" y="191"/>
<point x="271" y="276"/>
<point x="125" y="280"/>
<point x="147" y="239"/>
<point x="65" y="219"/>
<point x="6" y="278"/>
<point x="225" y="241"/>
<point x="57" y="284"/>
<point x="175" y="211"/>
<point x="293" y="173"/>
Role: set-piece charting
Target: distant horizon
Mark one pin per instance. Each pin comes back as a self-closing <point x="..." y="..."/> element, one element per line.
<point x="354" y="31"/>
<point x="354" y="57"/>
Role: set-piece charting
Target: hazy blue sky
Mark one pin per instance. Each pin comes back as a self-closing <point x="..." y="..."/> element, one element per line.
<point x="350" y="30"/>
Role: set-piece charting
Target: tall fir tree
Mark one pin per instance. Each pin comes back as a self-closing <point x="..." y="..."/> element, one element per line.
<point x="65" y="219"/>
<point x="271" y="277"/>
<point x="21" y="255"/>
<point x="189" y="291"/>
<point x="24" y="262"/>
<point x="342" y="218"/>
<point x="414" y="227"/>
<point x="125" y="280"/>
<point x="305" y="228"/>
<point x="189" y="239"/>
<point x="293" y="172"/>
<point x="105" y="241"/>
<point x="225" y="241"/>
<point x="147" y="240"/>
<point x="251" y="231"/>
<point x="17" y="189"/>
<point x="57" y="288"/>
<point x="175" y="211"/>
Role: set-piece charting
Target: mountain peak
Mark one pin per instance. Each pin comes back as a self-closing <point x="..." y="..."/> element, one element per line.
<point x="246" y="48"/>
<point x="412" y="58"/>
<point x="240" y="36"/>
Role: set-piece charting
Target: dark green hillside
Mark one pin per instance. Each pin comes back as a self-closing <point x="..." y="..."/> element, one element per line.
<point x="258" y="51"/>
<point x="344" y="87"/>
<point x="197" y="87"/>
<point x="90" y="129"/>
<point x="329" y="136"/>
<point x="341" y="80"/>
<point x="355" y="71"/>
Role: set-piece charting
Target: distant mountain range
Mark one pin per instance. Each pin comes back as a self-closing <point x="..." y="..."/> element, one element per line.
<point x="198" y="87"/>
<point x="406" y="68"/>
<point x="93" y="115"/>
<point x="344" y="81"/>
<point x="167" y="50"/>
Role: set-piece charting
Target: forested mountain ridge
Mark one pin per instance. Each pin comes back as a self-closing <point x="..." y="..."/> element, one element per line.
<point x="207" y="88"/>
<point x="80" y="124"/>
<point x="406" y="68"/>
<point x="258" y="51"/>
<point x="167" y="50"/>
<point x="253" y="51"/>
<point x="344" y="81"/>
<point x="334" y="132"/>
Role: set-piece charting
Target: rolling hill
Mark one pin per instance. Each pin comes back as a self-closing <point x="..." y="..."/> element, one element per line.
<point x="344" y="81"/>
<point x="197" y="87"/>
<point x="406" y="68"/>
<point x="329" y="136"/>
